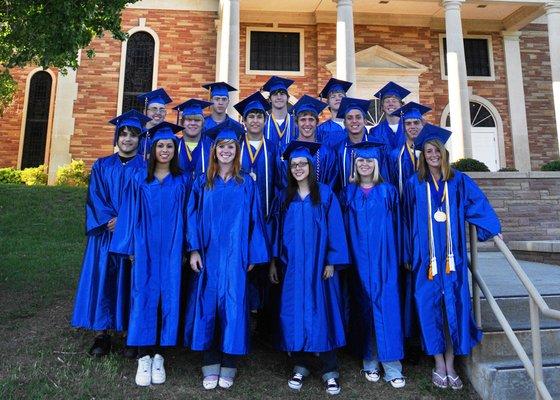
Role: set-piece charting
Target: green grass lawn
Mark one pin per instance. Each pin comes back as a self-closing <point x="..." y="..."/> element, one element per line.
<point x="41" y="245"/>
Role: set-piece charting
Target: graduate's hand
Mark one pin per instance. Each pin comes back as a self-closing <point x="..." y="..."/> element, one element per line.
<point x="273" y="274"/>
<point x="250" y="267"/>
<point x="408" y="267"/>
<point x="196" y="262"/>
<point x="500" y="236"/>
<point x="111" y="224"/>
<point x="131" y="258"/>
<point x="328" y="272"/>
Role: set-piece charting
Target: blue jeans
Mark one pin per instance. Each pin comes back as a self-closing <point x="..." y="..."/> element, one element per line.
<point x="329" y="363"/>
<point x="393" y="369"/>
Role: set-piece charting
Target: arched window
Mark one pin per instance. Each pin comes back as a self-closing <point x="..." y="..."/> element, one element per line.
<point x="139" y="69"/>
<point x="481" y="117"/>
<point x="375" y="113"/>
<point x="37" y="120"/>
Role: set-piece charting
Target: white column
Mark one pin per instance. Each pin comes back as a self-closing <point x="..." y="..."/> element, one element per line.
<point x="460" y="143"/>
<point x="553" y="17"/>
<point x="516" y="101"/>
<point x="345" y="50"/>
<point x="228" y="45"/>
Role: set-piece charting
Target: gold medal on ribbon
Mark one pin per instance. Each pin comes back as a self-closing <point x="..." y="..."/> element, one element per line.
<point x="440" y="216"/>
<point x="253" y="175"/>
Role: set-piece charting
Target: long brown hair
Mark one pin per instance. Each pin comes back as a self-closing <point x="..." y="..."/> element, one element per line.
<point x="292" y="188"/>
<point x="214" y="166"/>
<point x="446" y="170"/>
<point x="173" y="163"/>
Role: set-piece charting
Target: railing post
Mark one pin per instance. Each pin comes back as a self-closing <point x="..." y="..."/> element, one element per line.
<point x="474" y="268"/>
<point x="536" y="343"/>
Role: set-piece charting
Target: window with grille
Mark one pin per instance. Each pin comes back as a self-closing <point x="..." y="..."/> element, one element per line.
<point x="37" y="120"/>
<point x="275" y="51"/>
<point x="478" y="57"/>
<point x="480" y="116"/>
<point x="138" y="73"/>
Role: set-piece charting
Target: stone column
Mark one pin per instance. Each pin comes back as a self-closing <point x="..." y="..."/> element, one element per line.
<point x="553" y="17"/>
<point x="228" y="42"/>
<point x="460" y="143"/>
<point x="516" y="101"/>
<point x="345" y="50"/>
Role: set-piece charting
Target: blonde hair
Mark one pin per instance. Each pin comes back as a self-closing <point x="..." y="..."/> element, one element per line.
<point x="356" y="177"/>
<point x="214" y="166"/>
<point x="424" y="170"/>
<point x="196" y="117"/>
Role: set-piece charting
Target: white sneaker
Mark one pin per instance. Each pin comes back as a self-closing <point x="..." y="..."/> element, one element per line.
<point x="296" y="382"/>
<point x="332" y="386"/>
<point x="398" y="383"/>
<point x="158" y="370"/>
<point x="144" y="371"/>
<point x="225" y="383"/>
<point x="372" y="376"/>
<point x="210" y="382"/>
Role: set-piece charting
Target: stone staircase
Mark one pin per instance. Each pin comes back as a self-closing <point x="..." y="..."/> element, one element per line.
<point x="494" y="368"/>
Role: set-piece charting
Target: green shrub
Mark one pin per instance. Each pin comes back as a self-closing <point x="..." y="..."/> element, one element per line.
<point x="73" y="174"/>
<point x="551" y="166"/>
<point x="34" y="176"/>
<point x="508" y="169"/>
<point x="470" y="165"/>
<point x="10" y="175"/>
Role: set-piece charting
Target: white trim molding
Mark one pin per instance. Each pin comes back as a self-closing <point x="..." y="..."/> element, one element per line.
<point x="488" y="38"/>
<point x="249" y="71"/>
<point x="140" y="28"/>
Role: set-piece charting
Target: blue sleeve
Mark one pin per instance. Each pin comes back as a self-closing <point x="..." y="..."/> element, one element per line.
<point x="337" y="246"/>
<point x="98" y="207"/>
<point x="479" y="211"/>
<point x="193" y="206"/>
<point x="122" y="241"/>
<point x="407" y="222"/>
<point x="258" y="242"/>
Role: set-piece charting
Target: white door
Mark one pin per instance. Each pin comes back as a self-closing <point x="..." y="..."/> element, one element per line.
<point x="485" y="146"/>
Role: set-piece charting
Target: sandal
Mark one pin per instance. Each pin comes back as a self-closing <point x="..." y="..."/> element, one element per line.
<point x="455" y="383"/>
<point x="210" y="382"/>
<point x="439" y="380"/>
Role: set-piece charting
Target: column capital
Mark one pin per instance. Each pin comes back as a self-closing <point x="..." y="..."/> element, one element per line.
<point x="552" y="6"/>
<point x="452" y="4"/>
<point x="343" y="2"/>
<point x="511" y="35"/>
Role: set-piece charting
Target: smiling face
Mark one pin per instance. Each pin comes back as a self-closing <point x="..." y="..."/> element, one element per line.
<point x="307" y="125"/>
<point x="413" y="127"/>
<point x="299" y="167"/>
<point x="365" y="166"/>
<point x="390" y="104"/>
<point x="432" y="154"/>
<point x="165" y="150"/>
<point x="254" y="122"/>
<point x="127" y="141"/>
<point x="193" y="125"/>
<point x="279" y="99"/>
<point x="354" y="122"/>
<point x="157" y="112"/>
<point x="334" y="100"/>
<point x="219" y="104"/>
<point x="225" y="152"/>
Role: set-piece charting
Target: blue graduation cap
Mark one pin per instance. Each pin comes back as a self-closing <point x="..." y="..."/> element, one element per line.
<point x="431" y="132"/>
<point x="335" y="85"/>
<point x="392" y="89"/>
<point x="226" y="130"/>
<point x="411" y="110"/>
<point x="276" y="83"/>
<point x="370" y="149"/>
<point x="350" y="103"/>
<point x="255" y="102"/>
<point x="298" y="148"/>
<point x="129" y="118"/>
<point x="219" y="89"/>
<point x="155" y="96"/>
<point x="308" y="104"/>
<point x="192" y="107"/>
<point x="164" y="130"/>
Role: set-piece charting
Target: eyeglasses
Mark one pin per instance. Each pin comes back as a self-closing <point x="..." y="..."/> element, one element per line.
<point x="157" y="110"/>
<point x="300" y="165"/>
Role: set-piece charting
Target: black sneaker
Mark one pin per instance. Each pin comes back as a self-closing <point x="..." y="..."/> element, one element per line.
<point x="130" y="352"/>
<point x="101" y="346"/>
<point x="332" y="387"/>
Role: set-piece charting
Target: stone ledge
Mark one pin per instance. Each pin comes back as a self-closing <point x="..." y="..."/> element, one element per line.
<point x="540" y="246"/>
<point x="515" y="175"/>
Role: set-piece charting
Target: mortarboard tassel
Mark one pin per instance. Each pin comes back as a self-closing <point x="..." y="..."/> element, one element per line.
<point x="433" y="268"/>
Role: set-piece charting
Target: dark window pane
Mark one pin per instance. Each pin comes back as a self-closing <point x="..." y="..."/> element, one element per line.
<point x="275" y="51"/>
<point x="477" y="57"/>
<point x="480" y="116"/>
<point x="139" y="69"/>
<point x="37" y="120"/>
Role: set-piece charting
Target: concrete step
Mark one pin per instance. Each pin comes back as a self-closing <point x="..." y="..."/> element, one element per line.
<point x="509" y="380"/>
<point x="495" y="346"/>
<point x="516" y="310"/>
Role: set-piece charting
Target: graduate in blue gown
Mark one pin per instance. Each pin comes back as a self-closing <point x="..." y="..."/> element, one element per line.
<point x="219" y="96"/>
<point x="151" y="229"/>
<point x="439" y="201"/>
<point x="391" y="129"/>
<point x="309" y="248"/>
<point x="155" y="107"/>
<point x="279" y="127"/>
<point x="307" y="111"/>
<point x="226" y="238"/>
<point x="102" y="296"/>
<point x="371" y="209"/>
<point x="194" y="148"/>
<point x="331" y="132"/>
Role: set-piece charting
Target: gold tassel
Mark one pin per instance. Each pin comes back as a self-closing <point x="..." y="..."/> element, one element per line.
<point x="450" y="263"/>
<point x="433" y="268"/>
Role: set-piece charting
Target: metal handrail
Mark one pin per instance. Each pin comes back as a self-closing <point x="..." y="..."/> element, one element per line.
<point x="536" y="304"/>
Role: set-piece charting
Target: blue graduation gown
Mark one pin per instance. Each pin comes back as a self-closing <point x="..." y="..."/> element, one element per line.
<point x="226" y="228"/>
<point x="210" y="123"/>
<point x="288" y="127"/>
<point x="198" y="161"/>
<point x="330" y="133"/>
<point x="401" y="167"/>
<point x="151" y="226"/>
<point x="102" y="296"/>
<point x="307" y="238"/>
<point x="324" y="161"/>
<point x="446" y="293"/>
<point x="393" y="139"/>
<point x="373" y="225"/>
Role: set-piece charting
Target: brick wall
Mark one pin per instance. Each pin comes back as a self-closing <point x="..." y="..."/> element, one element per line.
<point x="535" y="60"/>
<point x="528" y="204"/>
